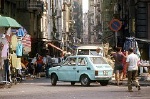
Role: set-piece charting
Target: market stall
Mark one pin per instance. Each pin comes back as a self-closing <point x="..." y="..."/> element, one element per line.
<point x="144" y="64"/>
<point x="12" y="47"/>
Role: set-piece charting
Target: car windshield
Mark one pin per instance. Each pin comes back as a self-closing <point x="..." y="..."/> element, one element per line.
<point x="98" y="60"/>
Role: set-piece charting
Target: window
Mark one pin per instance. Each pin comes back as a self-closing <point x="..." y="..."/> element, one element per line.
<point x="71" y="61"/>
<point x="82" y="61"/>
<point x="83" y="52"/>
<point x="98" y="60"/>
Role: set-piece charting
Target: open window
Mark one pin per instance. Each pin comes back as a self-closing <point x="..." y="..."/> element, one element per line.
<point x="82" y="61"/>
<point x="71" y="61"/>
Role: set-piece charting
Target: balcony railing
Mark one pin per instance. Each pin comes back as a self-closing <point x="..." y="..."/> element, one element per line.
<point x="36" y="5"/>
<point x="32" y="5"/>
<point x="21" y="5"/>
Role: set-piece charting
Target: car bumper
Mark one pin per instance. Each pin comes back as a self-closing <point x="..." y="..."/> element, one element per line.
<point x="103" y="77"/>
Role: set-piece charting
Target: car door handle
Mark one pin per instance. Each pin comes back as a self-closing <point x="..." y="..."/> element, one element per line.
<point x="74" y="68"/>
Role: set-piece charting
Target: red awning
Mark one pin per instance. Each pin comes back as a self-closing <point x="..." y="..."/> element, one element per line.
<point x="55" y="46"/>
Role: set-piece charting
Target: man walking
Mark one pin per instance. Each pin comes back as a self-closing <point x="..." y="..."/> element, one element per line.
<point x="48" y="64"/>
<point x="132" y="67"/>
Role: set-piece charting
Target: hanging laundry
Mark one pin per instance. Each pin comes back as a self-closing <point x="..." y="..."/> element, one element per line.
<point x="16" y="62"/>
<point x="8" y="31"/>
<point x="4" y="46"/>
<point x="3" y="40"/>
<point x="5" y="50"/>
<point x="26" y="41"/>
<point x="20" y="32"/>
<point x="13" y="42"/>
<point x="130" y="42"/>
<point x="13" y="59"/>
<point x="19" y="49"/>
<point x="8" y="35"/>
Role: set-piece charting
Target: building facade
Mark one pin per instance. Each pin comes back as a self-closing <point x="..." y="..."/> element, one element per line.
<point x="47" y="21"/>
<point x="78" y="22"/>
<point x="85" y="29"/>
<point x="28" y="13"/>
<point x="134" y="15"/>
<point x="95" y="21"/>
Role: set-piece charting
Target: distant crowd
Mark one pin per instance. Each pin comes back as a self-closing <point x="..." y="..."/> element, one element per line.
<point x="37" y="66"/>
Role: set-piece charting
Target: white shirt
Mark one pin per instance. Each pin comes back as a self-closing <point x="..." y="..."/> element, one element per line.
<point x="132" y="59"/>
<point x="99" y="54"/>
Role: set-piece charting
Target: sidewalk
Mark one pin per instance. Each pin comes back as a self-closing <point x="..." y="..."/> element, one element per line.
<point x="142" y="80"/>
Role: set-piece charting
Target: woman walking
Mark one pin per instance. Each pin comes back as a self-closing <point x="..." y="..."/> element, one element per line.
<point x="118" y="69"/>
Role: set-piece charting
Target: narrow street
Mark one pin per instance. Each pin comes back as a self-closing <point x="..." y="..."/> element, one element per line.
<point x="42" y="89"/>
<point x="94" y="39"/>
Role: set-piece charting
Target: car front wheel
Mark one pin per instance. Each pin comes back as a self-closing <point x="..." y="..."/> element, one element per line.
<point x="54" y="79"/>
<point x="85" y="80"/>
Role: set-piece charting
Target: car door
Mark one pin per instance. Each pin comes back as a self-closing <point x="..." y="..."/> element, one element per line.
<point x="82" y="67"/>
<point x="71" y="69"/>
<point x="68" y="69"/>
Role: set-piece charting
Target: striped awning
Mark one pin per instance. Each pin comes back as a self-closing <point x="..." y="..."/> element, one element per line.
<point x="144" y="40"/>
<point x="55" y="46"/>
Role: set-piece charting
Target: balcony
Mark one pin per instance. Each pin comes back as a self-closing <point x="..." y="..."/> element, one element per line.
<point x="22" y="5"/>
<point x="35" y="6"/>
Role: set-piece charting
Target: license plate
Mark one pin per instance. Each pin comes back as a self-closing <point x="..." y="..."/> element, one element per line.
<point x="105" y="73"/>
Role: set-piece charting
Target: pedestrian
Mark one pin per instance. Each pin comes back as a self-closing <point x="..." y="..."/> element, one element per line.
<point x="33" y="65"/>
<point x="44" y="63"/>
<point x="118" y="68"/>
<point x="39" y="65"/>
<point x="24" y="64"/>
<point x="132" y="69"/>
<point x="98" y="52"/>
<point x="124" y="65"/>
<point x="61" y="58"/>
<point x="48" y="64"/>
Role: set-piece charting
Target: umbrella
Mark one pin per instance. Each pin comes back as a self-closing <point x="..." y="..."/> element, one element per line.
<point x="8" y="22"/>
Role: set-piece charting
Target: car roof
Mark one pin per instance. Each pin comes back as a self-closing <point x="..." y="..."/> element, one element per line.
<point x="84" y="56"/>
<point x="89" y="47"/>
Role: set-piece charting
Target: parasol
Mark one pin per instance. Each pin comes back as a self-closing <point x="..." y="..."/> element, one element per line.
<point x="8" y="22"/>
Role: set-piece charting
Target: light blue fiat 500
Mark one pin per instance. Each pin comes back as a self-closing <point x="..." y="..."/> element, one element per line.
<point x="82" y="68"/>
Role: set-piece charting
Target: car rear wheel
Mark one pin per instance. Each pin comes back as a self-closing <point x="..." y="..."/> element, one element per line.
<point x="85" y="80"/>
<point x="104" y="82"/>
<point x="72" y="83"/>
<point x="54" y="80"/>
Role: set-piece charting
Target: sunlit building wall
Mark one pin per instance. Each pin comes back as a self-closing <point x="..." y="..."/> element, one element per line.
<point x="77" y="17"/>
<point x="91" y="21"/>
<point x="85" y="29"/>
<point x="95" y="21"/>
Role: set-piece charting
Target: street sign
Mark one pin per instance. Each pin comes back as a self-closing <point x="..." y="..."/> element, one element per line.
<point x="115" y="25"/>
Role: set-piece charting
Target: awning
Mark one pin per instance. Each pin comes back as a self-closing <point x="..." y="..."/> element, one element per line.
<point x="55" y="46"/>
<point x="144" y="40"/>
